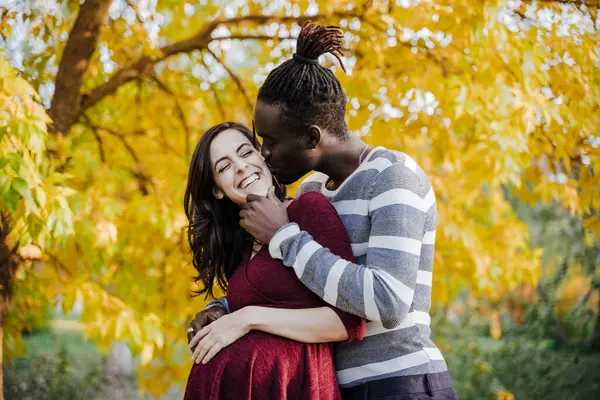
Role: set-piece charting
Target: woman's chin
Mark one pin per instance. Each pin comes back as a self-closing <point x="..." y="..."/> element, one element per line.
<point x="259" y="191"/>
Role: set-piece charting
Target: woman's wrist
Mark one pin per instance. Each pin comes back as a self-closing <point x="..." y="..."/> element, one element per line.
<point x="250" y="317"/>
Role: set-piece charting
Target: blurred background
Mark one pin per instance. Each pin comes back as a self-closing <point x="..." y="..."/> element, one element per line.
<point x="102" y="102"/>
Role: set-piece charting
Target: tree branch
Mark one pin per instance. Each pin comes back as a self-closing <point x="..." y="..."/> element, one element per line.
<point x="144" y="181"/>
<point x="252" y="37"/>
<point x="200" y="41"/>
<point x="184" y="124"/>
<point x="100" y="145"/>
<point x="88" y="122"/>
<point x="74" y="63"/>
<point x="235" y="79"/>
<point x="588" y="3"/>
<point x="215" y="93"/>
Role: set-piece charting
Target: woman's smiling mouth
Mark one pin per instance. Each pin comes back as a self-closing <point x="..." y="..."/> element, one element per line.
<point x="249" y="180"/>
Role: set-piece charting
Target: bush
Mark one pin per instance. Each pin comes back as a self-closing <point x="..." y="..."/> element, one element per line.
<point x="484" y="369"/>
<point x="535" y="371"/>
<point x="473" y="375"/>
<point x="51" y="377"/>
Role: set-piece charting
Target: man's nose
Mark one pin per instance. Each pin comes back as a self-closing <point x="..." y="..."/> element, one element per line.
<point x="265" y="152"/>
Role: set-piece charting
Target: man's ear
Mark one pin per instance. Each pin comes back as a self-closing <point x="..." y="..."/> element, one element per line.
<point x="218" y="193"/>
<point x="314" y="136"/>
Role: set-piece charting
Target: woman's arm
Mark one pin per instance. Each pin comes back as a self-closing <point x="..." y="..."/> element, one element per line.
<point x="309" y="325"/>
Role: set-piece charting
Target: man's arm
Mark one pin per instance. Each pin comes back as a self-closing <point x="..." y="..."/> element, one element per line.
<point x="221" y="302"/>
<point x="382" y="289"/>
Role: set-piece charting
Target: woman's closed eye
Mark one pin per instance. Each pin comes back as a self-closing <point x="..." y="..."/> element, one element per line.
<point x="224" y="167"/>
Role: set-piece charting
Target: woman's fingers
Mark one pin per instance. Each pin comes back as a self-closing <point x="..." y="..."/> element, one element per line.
<point x="203" y="347"/>
<point x="198" y="336"/>
<point x="212" y="352"/>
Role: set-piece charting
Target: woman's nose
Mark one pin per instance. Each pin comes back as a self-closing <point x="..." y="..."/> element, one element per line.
<point x="241" y="166"/>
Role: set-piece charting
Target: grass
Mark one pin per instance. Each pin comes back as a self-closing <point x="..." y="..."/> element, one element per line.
<point x="60" y="364"/>
<point x="46" y="342"/>
<point x="480" y="366"/>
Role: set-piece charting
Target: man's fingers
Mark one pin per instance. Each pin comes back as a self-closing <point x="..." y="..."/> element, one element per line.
<point x="196" y="325"/>
<point x="253" y="197"/>
<point x="200" y="320"/>
<point x="244" y="214"/>
<point x="271" y="194"/>
<point x="212" y="352"/>
<point x="214" y="313"/>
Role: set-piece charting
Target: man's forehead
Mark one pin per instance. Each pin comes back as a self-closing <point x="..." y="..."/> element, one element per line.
<point x="266" y="114"/>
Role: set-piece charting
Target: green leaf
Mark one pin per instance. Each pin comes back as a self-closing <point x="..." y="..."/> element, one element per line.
<point x="21" y="187"/>
<point x="3" y="130"/>
<point x="15" y="161"/>
<point x="11" y="200"/>
<point x="4" y="185"/>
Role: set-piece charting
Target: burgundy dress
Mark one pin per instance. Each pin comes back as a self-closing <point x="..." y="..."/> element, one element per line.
<point x="263" y="366"/>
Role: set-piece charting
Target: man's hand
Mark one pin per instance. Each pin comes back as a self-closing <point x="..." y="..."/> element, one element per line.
<point x="263" y="216"/>
<point x="214" y="337"/>
<point x="203" y="318"/>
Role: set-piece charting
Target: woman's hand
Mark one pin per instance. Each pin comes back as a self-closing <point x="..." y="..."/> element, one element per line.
<point x="219" y="334"/>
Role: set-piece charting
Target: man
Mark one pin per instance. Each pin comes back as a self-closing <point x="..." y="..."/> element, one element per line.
<point x="388" y="207"/>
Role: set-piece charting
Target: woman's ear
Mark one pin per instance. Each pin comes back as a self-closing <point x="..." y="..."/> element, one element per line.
<point x="218" y="193"/>
<point x="314" y="136"/>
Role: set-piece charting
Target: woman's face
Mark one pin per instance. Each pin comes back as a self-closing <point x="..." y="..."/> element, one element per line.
<point x="237" y="167"/>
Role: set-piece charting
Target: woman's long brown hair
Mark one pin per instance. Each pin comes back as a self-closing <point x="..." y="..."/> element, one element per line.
<point x="214" y="234"/>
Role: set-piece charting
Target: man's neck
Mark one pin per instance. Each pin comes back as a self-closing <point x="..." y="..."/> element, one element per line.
<point x="342" y="159"/>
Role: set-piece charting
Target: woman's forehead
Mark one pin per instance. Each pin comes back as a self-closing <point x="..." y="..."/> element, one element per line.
<point x="228" y="141"/>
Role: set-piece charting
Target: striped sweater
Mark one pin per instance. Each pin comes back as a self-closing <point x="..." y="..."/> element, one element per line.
<point x="388" y="207"/>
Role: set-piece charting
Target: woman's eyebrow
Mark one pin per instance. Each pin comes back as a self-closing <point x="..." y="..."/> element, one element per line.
<point x="242" y="146"/>
<point x="226" y="157"/>
<point x="219" y="160"/>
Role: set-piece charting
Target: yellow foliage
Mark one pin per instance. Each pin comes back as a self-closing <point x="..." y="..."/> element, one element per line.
<point x="505" y="395"/>
<point x="571" y="291"/>
<point x="486" y="101"/>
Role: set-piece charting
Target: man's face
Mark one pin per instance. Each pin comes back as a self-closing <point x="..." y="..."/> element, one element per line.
<point x="285" y="152"/>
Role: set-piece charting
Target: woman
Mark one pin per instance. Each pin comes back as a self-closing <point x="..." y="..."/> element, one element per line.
<point x="276" y="342"/>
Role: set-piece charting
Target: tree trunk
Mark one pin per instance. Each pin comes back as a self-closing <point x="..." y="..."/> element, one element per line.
<point x="74" y="62"/>
<point x="9" y="263"/>
<point x="1" y="353"/>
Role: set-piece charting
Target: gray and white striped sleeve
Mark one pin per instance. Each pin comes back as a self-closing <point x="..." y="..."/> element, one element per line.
<point x="381" y="290"/>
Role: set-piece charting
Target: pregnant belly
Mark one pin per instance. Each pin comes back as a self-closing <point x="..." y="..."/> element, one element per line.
<point x="256" y="350"/>
<point x="261" y="365"/>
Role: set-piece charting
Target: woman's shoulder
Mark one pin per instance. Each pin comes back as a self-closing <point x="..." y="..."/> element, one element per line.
<point x="310" y="206"/>
<point x="310" y="201"/>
